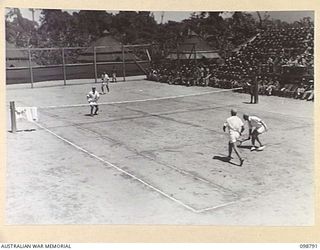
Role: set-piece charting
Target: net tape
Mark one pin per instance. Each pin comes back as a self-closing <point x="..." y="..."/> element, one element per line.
<point x="140" y="100"/>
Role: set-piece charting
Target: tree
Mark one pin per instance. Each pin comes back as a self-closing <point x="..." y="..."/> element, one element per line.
<point x="132" y="27"/>
<point x="19" y="30"/>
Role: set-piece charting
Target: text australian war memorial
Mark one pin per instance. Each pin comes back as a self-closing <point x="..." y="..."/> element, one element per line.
<point x="207" y="49"/>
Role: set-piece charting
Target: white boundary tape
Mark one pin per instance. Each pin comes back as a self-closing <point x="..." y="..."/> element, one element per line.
<point x="131" y="175"/>
<point x="117" y="168"/>
<point x="142" y="100"/>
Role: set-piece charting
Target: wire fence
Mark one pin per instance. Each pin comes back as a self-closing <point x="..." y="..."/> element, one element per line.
<point x="30" y="65"/>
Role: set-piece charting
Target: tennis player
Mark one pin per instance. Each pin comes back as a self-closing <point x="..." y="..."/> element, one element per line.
<point x="235" y="128"/>
<point x="256" y="127"/>
<point x="93" y="98"/>
<point x="105" y="82"/>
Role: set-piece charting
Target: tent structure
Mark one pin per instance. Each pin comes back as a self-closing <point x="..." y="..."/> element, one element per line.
<point x="16" y="57"/>
<point x="108" y="49"/>
<point x="193" y="47"/>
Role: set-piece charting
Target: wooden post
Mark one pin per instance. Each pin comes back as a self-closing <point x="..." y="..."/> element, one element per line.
<point x="30" y="68"/>
<point x="178" y="56"/>
<point x="64" y="68"/>
<point x="123" y="64"/>
<point x="195" y="55"/>
<point x="95" y="64"/>
<point x="13" y="117"/>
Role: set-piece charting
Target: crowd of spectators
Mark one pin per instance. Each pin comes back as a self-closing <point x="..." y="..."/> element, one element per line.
<point x="271" y="49"/>
<point x="186" y="74"/>
<point x="201" y="76"/>
<point x="260" y="60"/>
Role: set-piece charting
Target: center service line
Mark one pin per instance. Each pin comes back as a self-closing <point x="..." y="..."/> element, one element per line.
<point x="117" y="168"/>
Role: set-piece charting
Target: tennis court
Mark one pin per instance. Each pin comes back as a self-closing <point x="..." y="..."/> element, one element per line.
<point x="156" y="154"/>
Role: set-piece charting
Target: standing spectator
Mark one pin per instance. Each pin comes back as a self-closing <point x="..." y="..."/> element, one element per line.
<point x="114" y="74"/>
<point x="249" y="84"/>
<point x="256" y="91"/>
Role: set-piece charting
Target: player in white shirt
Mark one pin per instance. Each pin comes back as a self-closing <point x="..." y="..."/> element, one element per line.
<point x="256" y="127"/>
<point x="235" y="128"/>
<point x="105" y="82"/>
<point x="93" y="98"/>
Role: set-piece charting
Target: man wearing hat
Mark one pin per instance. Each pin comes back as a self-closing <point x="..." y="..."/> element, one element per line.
<point x="93" y="98"/>
<point x="235" y="128"/>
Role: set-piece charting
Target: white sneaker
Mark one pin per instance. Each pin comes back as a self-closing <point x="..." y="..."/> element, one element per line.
<point x="253" y="148"/>
<point x="261" y="148"/>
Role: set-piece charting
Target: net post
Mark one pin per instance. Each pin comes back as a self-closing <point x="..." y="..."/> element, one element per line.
<point x="123" y="64"/>
<point x="64" y="68"/>
<point x="30" y="67"/>
<point x="95" y="63"/>
<point x="13" y="117"/>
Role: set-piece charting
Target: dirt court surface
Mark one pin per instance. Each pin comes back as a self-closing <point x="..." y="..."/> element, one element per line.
<point x="155" y="154"/>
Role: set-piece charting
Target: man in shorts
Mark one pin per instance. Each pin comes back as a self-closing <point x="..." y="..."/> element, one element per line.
<point x="105" y="82"/>
<point x="235" y="128"/>
<point x="93" y="98"/>
<point x="256" y="127"/>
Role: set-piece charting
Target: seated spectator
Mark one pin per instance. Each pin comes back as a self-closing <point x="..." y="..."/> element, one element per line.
<point x="283" y="89"/>
<point x="300" y="91"/>
<point x="309" y="94"/>
<point x="289" y="92"/>
<point x="263" y="84"/>
<point x="272" y="88"/>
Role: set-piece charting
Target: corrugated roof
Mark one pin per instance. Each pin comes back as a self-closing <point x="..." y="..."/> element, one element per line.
<point x="107" y="57"/>
<point x="111" y="52"/>
<point x="194" y="43"/>
<point x="112" y="44"/>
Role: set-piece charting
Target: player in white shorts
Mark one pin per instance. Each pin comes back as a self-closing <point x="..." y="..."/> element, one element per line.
<point x="105" y="82"/>
<point x="256" y="127"/>
<point x="235" y="128"/>
<point x="93" y="98"/>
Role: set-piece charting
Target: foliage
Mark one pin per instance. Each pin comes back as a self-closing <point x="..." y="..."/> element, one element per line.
<point x="19" y="30"/>
<point x="222" y="30"/>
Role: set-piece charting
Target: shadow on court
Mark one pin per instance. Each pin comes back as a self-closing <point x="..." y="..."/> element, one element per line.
<point x="224" y="159"/>
<point x="245" y="146"/>
<point x="23" y="130"/>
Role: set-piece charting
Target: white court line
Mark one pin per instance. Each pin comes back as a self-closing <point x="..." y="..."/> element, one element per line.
<point x="181" y="171"/>
<point x="220" y="206"/>
<point x="119" y="169"/>
<point x="133" y="176"/>
<point x="142" y="100"/>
